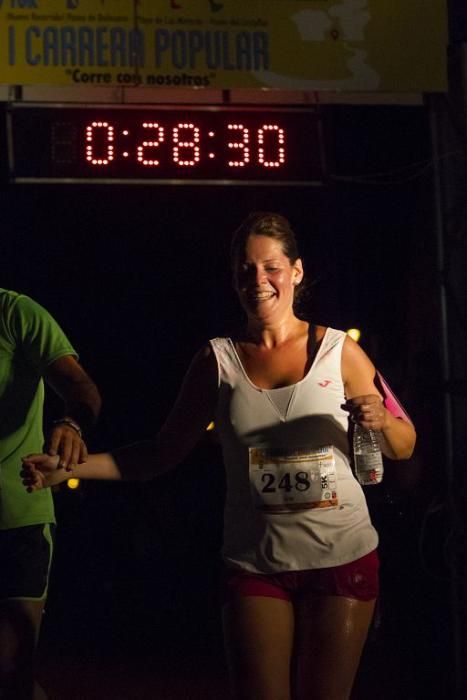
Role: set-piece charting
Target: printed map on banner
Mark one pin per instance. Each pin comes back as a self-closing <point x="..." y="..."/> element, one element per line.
<point x="344" y="45"/>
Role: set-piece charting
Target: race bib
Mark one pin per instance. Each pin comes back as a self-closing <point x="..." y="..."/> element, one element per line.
<point x="283" y="481"/>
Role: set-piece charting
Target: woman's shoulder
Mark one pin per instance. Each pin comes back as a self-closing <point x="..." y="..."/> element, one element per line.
<point x="355" y="361"/>
<point x="320" y="333"/>
<point x="203" y="366"/>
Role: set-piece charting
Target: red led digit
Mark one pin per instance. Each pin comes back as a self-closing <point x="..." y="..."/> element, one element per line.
<point x="243" y="146"/>
<point x="190" y="144"/>
<point x="271" y="136"/>
<point x="99" y="135"/>
<point x="144" y="146"/>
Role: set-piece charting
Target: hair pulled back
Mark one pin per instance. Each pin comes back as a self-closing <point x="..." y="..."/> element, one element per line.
<point x="261" y="223"/>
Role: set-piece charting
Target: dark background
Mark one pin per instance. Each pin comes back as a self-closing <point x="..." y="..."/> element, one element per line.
<point x="139" y="279"/>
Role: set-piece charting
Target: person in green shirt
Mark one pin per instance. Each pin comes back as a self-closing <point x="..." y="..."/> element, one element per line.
<point x="33" y="348"/>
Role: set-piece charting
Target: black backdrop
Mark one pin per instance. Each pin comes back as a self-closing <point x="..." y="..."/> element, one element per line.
<point x="139" y="279"/>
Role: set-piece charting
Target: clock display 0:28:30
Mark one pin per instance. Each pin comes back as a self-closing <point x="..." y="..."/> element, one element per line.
<point x="173" y="143"/>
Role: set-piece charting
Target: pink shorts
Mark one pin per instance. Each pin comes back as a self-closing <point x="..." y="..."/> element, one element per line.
<point x="358" y="579"/>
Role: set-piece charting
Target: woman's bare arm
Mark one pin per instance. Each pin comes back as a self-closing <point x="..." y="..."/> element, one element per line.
<point x="365" y="404"/>
<point x="193" y="410"/>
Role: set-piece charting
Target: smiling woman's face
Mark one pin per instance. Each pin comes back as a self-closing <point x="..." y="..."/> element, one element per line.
<point x="265" y="279"/>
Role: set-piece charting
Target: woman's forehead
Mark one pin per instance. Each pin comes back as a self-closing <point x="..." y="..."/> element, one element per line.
<point x="262" y="246"/>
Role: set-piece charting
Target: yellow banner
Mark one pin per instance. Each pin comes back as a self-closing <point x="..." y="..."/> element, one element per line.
<point x="350" y="45"/>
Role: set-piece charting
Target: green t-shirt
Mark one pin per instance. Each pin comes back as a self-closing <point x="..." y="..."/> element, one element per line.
<point x="30" y="340"/>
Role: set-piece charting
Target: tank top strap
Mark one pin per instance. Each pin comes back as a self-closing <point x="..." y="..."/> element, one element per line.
<point x="227" y="359"/>
<point x="332" y="339"/>
<point x="224" y="347"/>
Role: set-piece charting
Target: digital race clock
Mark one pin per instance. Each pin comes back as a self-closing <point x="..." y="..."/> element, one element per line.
<point x="214" y="145"/>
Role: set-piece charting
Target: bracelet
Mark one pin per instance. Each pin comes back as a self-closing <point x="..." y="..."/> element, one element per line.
<point x="71" y="423"/>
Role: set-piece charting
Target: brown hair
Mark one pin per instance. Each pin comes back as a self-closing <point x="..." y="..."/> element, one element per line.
<point x="261" y="223"/>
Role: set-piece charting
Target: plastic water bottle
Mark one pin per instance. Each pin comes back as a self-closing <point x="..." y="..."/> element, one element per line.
<point x="368" y="460"/>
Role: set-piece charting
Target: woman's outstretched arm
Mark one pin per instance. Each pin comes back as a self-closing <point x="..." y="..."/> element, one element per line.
<point x="193" y="410"/>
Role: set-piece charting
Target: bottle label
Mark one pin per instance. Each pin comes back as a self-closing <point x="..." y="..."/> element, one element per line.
<point x="369" y="468"/>
<point x="283" y="481"/>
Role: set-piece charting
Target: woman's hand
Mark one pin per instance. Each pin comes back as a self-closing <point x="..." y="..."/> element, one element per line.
<point x="368" y="411"/>
<point x="40" y="471"/>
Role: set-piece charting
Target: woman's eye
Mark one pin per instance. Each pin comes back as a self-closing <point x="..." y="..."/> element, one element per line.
<point x="271" y="269"/>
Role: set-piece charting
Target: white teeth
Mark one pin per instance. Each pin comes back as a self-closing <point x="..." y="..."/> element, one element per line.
<point x="262" y="296"/>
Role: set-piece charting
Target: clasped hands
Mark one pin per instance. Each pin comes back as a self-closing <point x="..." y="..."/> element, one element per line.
<point x="65" y="448"/>
<point x="40" y="471"/>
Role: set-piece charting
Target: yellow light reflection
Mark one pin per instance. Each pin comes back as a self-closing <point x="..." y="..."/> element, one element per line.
<point x="354" y="333"/>
<point x="73" y="483"/>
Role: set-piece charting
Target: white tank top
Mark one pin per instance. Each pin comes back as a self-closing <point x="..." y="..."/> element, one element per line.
<point x="292" y="501"/>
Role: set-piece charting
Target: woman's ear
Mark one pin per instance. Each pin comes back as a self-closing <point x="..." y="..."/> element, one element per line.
<point x="298" y="271"/>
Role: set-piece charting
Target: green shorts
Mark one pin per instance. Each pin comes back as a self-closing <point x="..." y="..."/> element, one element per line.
<point x="25" y="559"/>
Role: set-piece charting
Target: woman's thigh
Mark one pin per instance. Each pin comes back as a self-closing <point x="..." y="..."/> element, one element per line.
<point x="330" y="633"/>
<point x="259" y="632"/>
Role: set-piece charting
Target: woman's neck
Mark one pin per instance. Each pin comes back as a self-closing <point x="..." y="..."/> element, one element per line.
<point x="273" y="334"/>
